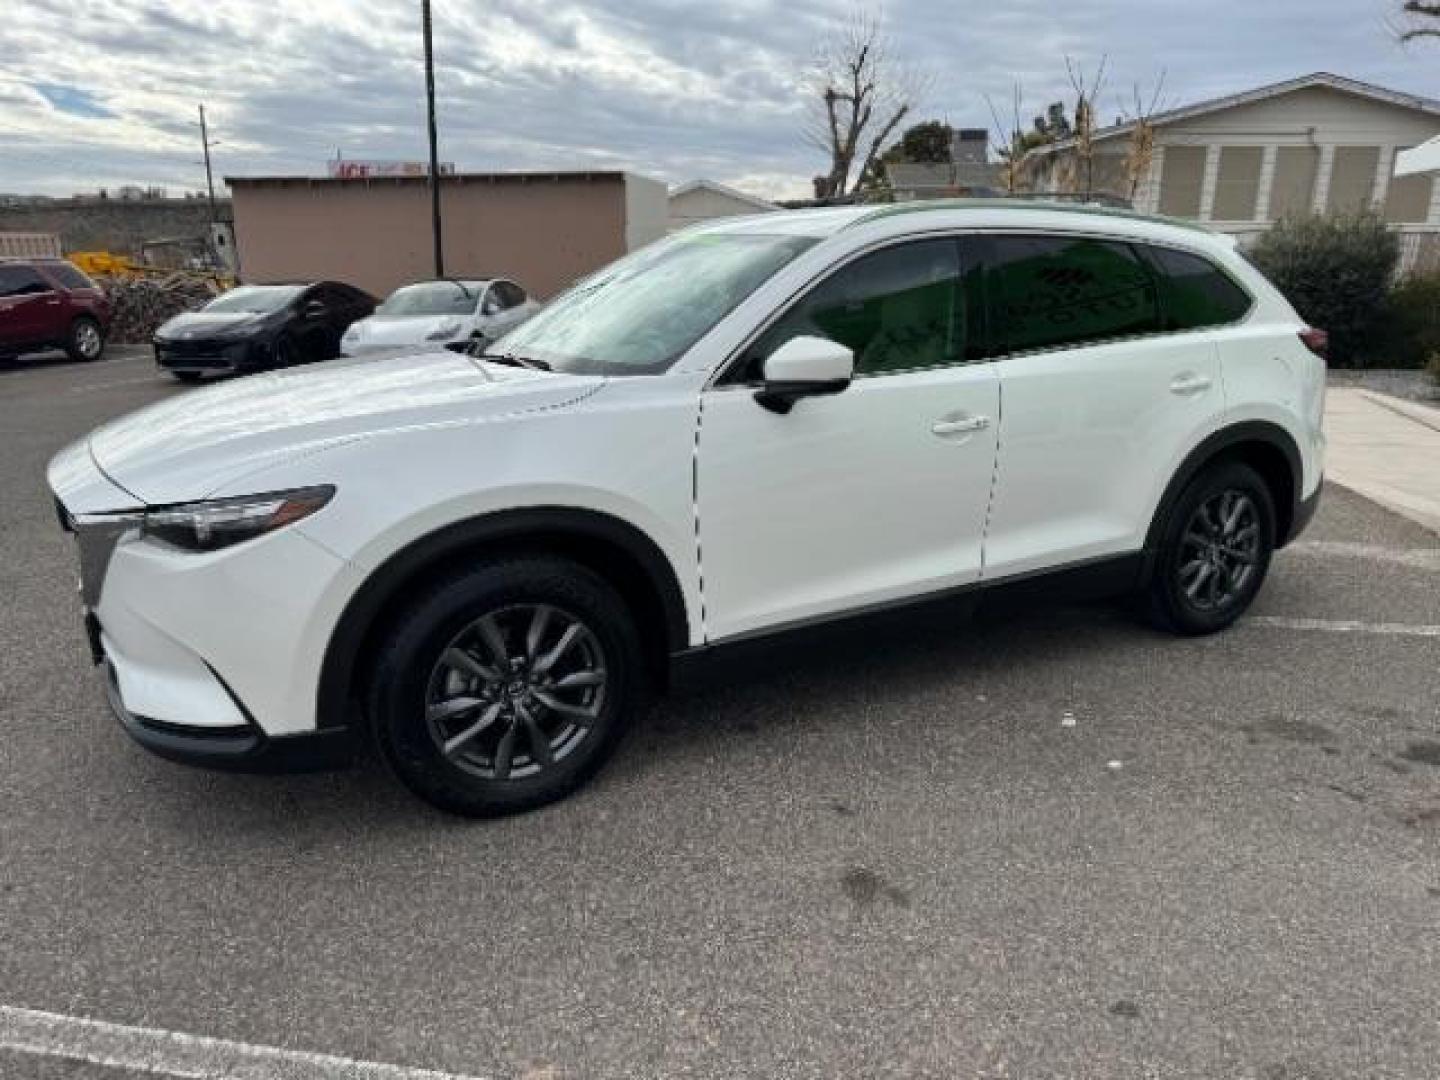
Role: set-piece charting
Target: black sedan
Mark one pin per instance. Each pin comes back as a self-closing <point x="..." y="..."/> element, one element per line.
<point x="255" y="327"/>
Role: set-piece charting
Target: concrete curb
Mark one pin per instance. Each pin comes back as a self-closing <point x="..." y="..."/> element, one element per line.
<point x="1386" y="450"/>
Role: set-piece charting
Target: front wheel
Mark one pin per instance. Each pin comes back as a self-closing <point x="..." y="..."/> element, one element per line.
<point x="87" y="341"/>
<point x="1215" y="552"/>
<point x="506" y="686"/>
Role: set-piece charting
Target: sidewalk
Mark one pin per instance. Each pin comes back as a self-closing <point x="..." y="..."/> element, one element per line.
<point x="1387" y="450"/>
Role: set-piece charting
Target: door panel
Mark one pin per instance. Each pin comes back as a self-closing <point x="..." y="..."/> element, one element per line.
<point x="845" y="501"/>
<point x="1089" y="436"/>
<point x="31" y="311"/>
<point x="1097" y="404"/>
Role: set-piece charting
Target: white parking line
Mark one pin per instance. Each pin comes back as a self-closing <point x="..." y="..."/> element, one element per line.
<point x="1422" y="558"/>
<point x="90" y="388"/>
<point x="174" y="1054"/>
<point x="1342" y="626"/>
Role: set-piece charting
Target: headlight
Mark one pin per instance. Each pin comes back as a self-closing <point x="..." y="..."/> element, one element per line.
<point x="449" y="330"/>
<point x="218" y="523"/>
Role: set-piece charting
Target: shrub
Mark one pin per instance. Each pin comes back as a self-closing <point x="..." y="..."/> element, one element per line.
<point x="1410" y="335"/>
<point x="1336" y="270"/>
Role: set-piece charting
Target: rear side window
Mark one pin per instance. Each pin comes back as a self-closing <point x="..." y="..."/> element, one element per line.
<point x="1194" y="292"/>
<point x="22" y="281"/>
<point x="1048" y="292"/>
<point x="68" y="276"/>
<point x="899" y="309"/>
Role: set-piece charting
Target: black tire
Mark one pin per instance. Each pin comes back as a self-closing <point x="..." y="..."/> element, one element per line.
<point x="1205" y="578"/>
<point x="415" y="681"/>
<point x="86" y="341"/>
<point x="189" y="378"/>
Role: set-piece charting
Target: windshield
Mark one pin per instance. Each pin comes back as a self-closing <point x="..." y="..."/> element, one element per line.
<point x="639" y="315"/>
<point x="255" y="299"/>
<point x="432" y="298"/>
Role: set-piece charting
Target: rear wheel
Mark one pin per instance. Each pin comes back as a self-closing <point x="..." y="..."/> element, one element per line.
<point x="86" y="341"/>
<point x="1215" y="552"/>
<point x="506" y="686"/>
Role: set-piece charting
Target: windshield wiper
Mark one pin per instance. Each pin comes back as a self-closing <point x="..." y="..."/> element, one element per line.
<point x="515" y="360"/>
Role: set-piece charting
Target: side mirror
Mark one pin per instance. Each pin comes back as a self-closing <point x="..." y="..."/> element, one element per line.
<point x="804" y="367"/>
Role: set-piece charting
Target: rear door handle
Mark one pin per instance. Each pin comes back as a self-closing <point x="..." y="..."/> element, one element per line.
<point x="959" y="425"/>
<point x="1190" y="383"/>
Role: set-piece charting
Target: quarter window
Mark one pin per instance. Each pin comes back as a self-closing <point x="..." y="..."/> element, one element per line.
<point x="899" y="309"/>
<point x="1194" y="292"/>
<point x="68" y="275"/>
<point x="1053" y="291"/>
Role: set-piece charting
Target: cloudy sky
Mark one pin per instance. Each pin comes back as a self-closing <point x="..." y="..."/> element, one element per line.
<point x="103" y="92"/>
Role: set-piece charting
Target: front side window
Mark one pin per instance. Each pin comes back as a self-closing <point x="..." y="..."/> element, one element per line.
<point x="1049" y="292"/>
<point x="22" y="281"/>
<point x="899" y="309"/>
<point x="1194" y="292"/>
<point x="511" y="295"/>
<point x="641" y="314"/>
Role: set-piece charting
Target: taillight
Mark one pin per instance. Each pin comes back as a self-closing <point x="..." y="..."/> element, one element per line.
<point x="1317" y="341"/>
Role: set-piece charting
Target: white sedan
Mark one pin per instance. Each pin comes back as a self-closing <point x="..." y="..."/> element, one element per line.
<point x="446" y="313"/>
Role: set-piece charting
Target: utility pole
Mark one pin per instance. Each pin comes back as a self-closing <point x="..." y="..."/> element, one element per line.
<point x="434" y="151"/>
<point x="209" y="176"/>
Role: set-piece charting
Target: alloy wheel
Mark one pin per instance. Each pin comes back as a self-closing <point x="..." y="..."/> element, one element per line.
<point x="1219" y="550"/>
<point x="516" y="691"/>
<point x="88" y="340"/>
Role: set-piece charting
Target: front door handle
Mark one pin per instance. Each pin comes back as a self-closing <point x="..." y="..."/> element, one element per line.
<point x="960" y="425"/>
<point x="1190" y="383"/>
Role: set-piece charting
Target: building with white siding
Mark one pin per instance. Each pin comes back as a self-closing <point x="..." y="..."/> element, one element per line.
<point x="705" y="200"/>
<point x="1317" y="143"/>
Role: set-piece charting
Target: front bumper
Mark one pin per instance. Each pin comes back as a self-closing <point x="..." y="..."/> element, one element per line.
<point x="204" y="356"/>
<point x="1304" y="513"/>
<point x="238" y="748"/>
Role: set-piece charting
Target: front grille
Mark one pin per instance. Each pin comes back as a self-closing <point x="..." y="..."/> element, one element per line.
<point x="198" y="354"/>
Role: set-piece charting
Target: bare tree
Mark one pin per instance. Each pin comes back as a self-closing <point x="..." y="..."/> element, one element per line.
<point x="859" y="94"/>
<point x="1010" y="142"/>
<point x="1415" y="14"/>
<point x="1086" y="94"/>
<point x="1140" y="154"/>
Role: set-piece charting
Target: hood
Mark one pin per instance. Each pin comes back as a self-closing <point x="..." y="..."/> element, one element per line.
<point x="189" y="445"/>
<point x="403" y="330"/>
<point x="201" y="324"/>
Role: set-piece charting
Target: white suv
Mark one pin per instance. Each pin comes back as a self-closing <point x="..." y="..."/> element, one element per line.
<point x="755" y="426"/>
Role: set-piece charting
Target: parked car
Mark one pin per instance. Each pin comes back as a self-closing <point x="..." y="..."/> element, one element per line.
<point x="255" y="327"/>
<point x="50" y="304"/>
<point x="738" y="433"/>
<point x="449" y="313"/>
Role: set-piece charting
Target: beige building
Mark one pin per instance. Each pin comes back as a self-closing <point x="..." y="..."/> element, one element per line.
<point x="705" y="200"/>
<point x="544" y="230"/>
<point x="1316" y="143"/>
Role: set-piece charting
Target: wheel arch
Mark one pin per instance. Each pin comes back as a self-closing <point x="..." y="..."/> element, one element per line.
<point x="1266" y="447"/>
<point x="613" y="548"/>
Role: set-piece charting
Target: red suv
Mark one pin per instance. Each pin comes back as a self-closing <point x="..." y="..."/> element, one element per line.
<point x="48" y="303"/>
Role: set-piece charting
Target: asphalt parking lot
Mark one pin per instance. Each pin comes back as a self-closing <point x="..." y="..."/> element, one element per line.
<point x="1057" y="844"/>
